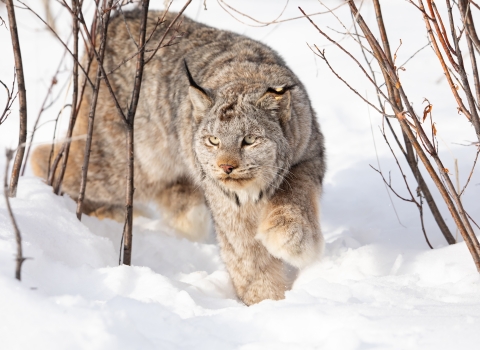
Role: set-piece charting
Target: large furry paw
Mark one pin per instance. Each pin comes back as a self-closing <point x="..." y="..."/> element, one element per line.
<point x="260" y="290"/>
<point x="289" y="236"/>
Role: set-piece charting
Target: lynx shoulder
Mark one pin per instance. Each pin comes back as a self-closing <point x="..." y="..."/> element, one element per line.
<point x="223" y="129"/>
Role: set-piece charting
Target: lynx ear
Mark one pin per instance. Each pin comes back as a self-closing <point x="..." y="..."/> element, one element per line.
<point x="200" y="100"/>
<point x="277" y="98"/>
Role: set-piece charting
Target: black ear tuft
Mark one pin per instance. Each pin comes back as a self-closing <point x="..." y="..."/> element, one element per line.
<point x="280" y="90"/>
<point x="190" y="79"/>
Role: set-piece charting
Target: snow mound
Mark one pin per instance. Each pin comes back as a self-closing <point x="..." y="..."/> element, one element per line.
<point x="179" y="296"/>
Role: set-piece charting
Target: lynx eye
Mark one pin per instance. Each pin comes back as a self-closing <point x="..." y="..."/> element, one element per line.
<point x="214" y="140"/>
<point x="249" y="140"/>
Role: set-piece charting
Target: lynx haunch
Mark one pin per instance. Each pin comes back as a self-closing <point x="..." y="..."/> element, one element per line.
<point x="223" y="129"/>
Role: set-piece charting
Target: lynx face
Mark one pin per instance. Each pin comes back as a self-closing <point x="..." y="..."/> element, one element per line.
<point x="239" y="141"/>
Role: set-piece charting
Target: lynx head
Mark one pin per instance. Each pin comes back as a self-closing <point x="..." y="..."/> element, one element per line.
<point x="239" y="140"/>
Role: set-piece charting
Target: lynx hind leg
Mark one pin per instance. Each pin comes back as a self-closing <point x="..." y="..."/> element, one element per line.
<point x="183" y="208"/>
<point x="114" y="212"/>
<point x="39" y="160"/>
<point x="71" y="182"/>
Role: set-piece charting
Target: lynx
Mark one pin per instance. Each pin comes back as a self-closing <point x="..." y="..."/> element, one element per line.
<point x="223" y="129"/>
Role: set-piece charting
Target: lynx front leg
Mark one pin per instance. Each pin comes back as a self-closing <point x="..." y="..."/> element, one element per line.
<point x="289" y="226"/>
<point x="255" y="273"/>
<point x="184" y="209"/>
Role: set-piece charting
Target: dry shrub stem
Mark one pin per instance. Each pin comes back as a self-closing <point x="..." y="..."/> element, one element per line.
<point x="22" y="99"/>
<point x="469" y="24"/>
<point x="127" y="233"/>
<point x="127" y="237"/>
<point x="449" y="195"/>
<point x="91" y="116"/>
<point x="73" y="110"/>
<point x="460" y="69"/>
<point x="18" y="237"/>
<point x="53" y="168"/>
<point x="473" y="43"/>
<point x="409" y="154"/>
<point x="129" y="121"/>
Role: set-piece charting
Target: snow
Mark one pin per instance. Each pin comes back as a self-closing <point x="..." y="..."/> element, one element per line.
<point x="378" y="285"/>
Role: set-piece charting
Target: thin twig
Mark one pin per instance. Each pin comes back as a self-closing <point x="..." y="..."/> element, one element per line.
<point x="43" y="108"/>
<point x="168" y="30"/>
<point x="58" y="37"/>
<point x="414" y="54"/>
<point x="10" y="99"/>
<point x="471" y="173"/>
<point x="52" y="169"/>
<point x="224" y="6"/>
<point x="321" y="54"/>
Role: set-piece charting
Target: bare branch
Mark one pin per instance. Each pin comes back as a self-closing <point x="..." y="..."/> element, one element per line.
<point x="458" y="215"/>
<point x="18" y="237"/>
<point x="22" y="99"/>
<point x="74" y="109"/>
<point x="91" y="116"/>
<point x="128" y="228"/>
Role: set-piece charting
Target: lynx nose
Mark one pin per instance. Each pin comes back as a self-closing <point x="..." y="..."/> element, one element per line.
<point x="227" y="168"/>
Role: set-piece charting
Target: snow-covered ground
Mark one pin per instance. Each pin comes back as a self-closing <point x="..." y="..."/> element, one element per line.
<point x="378" y="285"/>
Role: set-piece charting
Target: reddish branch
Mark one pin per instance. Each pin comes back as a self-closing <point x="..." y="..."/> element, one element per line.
<point x="22" y="99"/>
